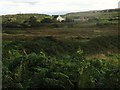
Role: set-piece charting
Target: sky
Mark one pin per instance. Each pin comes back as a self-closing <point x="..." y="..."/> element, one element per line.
<point x="54" y="6"/>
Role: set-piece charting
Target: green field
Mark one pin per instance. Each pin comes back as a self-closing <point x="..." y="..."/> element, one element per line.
<point x="69" y="56"/>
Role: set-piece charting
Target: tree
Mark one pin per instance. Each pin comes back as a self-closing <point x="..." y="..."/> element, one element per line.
<point x="32" y="22"/>
<point x="47" y="20"/>
<point x="11" y="23"/>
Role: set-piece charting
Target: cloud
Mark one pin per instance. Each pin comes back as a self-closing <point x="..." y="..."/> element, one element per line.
<point x="31" y="3"/>
<point x="26" y="2"/>
<point x="54" y="6"/>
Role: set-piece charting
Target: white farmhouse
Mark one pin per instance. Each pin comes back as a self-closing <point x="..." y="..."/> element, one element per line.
<point x="60" y="19"/>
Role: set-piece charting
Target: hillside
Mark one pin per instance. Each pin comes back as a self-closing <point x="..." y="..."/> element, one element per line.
<point x="96" y="13"/>
<point x="110" y="15"/>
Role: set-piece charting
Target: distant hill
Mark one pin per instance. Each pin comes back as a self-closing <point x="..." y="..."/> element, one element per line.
<point x="22" y="17"/>
<point x="96" y="13"/>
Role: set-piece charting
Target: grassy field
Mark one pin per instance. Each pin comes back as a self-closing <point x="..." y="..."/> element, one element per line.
<point x="85" y="55"/>
<point x="84" y="32"/>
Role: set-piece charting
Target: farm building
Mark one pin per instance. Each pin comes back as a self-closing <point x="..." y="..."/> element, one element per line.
<point x="60" y="19"/>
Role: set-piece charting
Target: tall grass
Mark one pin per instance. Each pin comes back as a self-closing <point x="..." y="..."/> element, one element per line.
<point x="49" y="63"/>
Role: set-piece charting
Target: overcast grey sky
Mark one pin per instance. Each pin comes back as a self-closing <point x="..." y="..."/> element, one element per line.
<point x="54" y="6"/>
